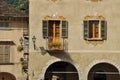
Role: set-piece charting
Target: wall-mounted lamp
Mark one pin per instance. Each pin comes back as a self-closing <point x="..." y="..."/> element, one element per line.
<point x="43" y="51"/>
<point x="34" y="39"/>
<point x="21" y="40"/>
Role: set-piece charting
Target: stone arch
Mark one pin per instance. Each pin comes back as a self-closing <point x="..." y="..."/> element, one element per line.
<point x="103" y="71"/>
<point x="6" y="76"/>
<point x="61" y="71"/>
<point x="54" y="61"/>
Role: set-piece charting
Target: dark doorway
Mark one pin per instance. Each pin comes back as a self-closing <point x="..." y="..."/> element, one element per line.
<point x="98" y="76"/>
<point x="61" y="71"/>
<point x="6" y="76"/>
<point x="103" y="71"/>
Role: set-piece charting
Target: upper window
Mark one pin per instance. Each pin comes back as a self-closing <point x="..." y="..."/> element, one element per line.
<point x="95" y="30"/>
<point x="54" y="30"/>
<point x="4" y="24"/>
<point x="4" y="53"/>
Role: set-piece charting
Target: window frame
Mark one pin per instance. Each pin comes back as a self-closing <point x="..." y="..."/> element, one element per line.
<point x="4" y="24"/>
<point x="5" y="58"/>
<point x="87" y="33"/>
<point x="63" y="28"/>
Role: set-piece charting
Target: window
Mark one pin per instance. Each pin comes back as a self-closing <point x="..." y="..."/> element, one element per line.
<point x="54" y="30"/>
<point x="95" y="30"/>
<point x="4" y="24"/>
<point x="4" y="54"/>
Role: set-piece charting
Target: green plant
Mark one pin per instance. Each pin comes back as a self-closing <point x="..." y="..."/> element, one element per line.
<point x="24" y="65"/>
<point x="20" y="48"/>
<point x="55" y="44"/>
<point x="22" y="60"/>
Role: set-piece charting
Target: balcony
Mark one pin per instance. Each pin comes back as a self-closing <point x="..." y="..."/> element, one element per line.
<point x="57" y="46"/>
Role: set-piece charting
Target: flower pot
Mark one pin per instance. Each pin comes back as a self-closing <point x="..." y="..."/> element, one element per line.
<point x="20" y="48"/>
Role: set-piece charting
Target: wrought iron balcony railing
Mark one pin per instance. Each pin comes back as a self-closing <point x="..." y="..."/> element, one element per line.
<point x="57" y="46"/>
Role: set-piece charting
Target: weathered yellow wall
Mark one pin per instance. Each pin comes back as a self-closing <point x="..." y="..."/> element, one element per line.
<point x="80" y="53"/>
<point x="13" y="33"/>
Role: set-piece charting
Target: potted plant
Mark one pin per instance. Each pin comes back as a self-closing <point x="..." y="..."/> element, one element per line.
<point x="20" y="48"/>
<point x="24" y="64"/>
<point x="55" y="45"/>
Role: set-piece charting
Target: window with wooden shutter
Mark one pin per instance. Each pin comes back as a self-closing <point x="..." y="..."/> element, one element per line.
<point x="95" y="30"/>
<point x="4" y="24"/>
<point x="64" y="29"/>
<point x="104" y="30"/>
<point x="4" y="54"/>
<point x="1" y="54"/>
<point x="7" y="53"/>
<point x="54" y="31"/>
<point x="45" y="28"/>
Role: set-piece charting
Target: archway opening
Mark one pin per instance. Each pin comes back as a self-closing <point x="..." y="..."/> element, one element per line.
<point x="103" y="71"/>
<point x="6" y="76"/>
<point x="61" y="71"/>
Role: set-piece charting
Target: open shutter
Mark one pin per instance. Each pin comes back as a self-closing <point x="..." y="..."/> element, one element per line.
<point x="64" y="29"/>
<point x="86" y="29"/>
<point x="45" y="28"/>
<point x="104" y="30"/>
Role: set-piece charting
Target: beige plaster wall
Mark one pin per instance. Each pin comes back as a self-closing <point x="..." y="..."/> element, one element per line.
<point x="13" y="33"/>
<point x="80" y="53"/>
<point x="74" y="12"/>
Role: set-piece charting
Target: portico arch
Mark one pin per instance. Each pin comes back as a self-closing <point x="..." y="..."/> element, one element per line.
<point x="103" y="71"/>
<point x="61" y="71"/>
<point x="6" y="76"/>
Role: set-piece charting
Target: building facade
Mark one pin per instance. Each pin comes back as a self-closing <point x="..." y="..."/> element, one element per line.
<point x="13" y="27"/>
<point x="74" y="40"/>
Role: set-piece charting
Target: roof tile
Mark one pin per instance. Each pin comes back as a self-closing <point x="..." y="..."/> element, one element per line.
<point x="7" y="10"/>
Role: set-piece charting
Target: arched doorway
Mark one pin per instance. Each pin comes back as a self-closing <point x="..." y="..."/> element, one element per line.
<point x="103" y="71"/>
<point x="6" y="76"/>
<point x="61" y="71"/>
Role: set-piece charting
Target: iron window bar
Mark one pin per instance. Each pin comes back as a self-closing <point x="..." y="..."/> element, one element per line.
<point x="62" y="72"/>
<point x="106" y="72"/>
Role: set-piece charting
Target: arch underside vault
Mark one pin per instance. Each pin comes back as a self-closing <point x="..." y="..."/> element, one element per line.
<point x="6" y="76"/>
<point x="103" y="71"/>
<point x="61" y="71"/>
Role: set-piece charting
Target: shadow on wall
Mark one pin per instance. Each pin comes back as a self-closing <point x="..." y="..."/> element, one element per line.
<point x="61" y="54"/>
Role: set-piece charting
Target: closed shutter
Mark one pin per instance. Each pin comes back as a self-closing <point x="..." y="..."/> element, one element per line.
<point x="104" y="30"/>
<point x="86" y="30"/>
<point x="64" y="29"/>
<point x="1" y="53"/>
<point x="45" y="28"/>
<point x="4" y="53"/>
<point x="7" y="53"/>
